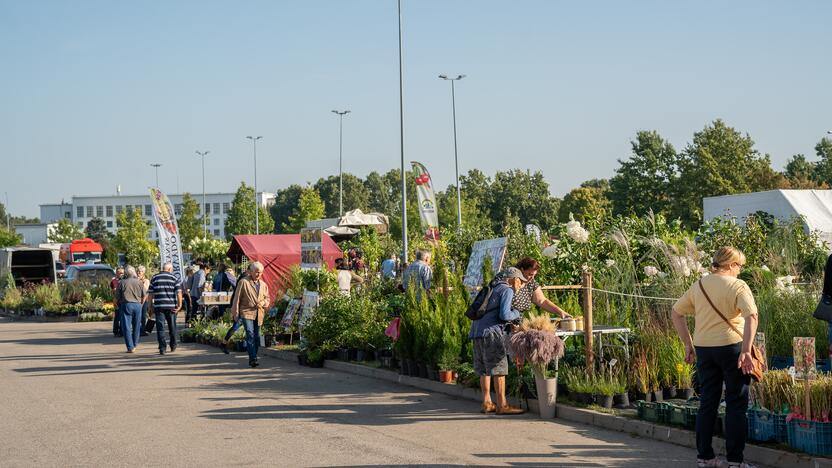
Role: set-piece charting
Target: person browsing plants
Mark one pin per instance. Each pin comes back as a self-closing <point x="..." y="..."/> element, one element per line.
<point x="488" y="335"/>
<point x="250" y="302"/>
<point x="531" y="292"/>
<point x="725" y="323"/>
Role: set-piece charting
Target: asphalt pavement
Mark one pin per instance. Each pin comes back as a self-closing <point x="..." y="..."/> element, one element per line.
<point x="73" y="397"/>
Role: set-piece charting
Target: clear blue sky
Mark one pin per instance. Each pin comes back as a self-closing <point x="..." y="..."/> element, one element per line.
<point x="92" y="92"/>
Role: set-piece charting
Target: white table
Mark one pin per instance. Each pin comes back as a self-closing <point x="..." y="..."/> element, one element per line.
<point x="598" y="332"/>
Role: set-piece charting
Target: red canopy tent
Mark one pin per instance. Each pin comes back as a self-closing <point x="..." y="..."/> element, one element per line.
<point x="277" y="253"/>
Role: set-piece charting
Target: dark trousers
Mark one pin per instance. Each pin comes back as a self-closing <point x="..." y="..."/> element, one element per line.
<point x="252" y="338"/>
<point x="194" y="307"/>
<point x="117" y="319"/>
<point x="145" y="306"/>
<point x="131" y="324"/>
<point x="715" y="365"/>
<point x="162" y="316"/>
<point x="234" y="327"/>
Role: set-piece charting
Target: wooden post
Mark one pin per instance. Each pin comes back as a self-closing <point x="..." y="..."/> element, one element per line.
<point x="587" y="284"/>
<point x="808" y="410"/>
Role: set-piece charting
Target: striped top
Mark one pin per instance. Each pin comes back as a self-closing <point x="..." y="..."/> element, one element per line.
<point x="164" y="287"/>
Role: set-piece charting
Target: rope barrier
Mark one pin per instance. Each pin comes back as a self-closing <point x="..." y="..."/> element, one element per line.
<point x="674" y="299"/>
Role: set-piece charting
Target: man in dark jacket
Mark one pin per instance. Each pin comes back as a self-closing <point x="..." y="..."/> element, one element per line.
<point x="488" y="336"/>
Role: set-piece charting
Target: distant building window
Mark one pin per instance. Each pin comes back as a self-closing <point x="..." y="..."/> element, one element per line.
<point x="177" y="209"/>
<point x="207" y="208"/>
<point x="109" y="211"/>
<point x="148" y="210"/>
<point x="89" y="212"/>
<point x="79" y="211"/>
<point x="99" y="211"/>
<point x="216" y="221"/>
<point x="226" y="207"/>
<point x="216" y="208"/>
<point x="119" y="209"/>
<point x="216" y="232"/>
<point x="109" y="224"/>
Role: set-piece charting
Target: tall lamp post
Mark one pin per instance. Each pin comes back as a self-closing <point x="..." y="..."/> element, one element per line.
<point x="341" y="115"/>
<point x="456" y="155"/>
<point x="8" y="214"/>
<point x="204" y="217"/>
<point x="256" y="205"/>
<point x="156" y="166"/>
<point x="401" y="142"/>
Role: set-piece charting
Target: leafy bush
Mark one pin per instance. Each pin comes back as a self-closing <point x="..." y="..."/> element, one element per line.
<point x="12" y="298"/>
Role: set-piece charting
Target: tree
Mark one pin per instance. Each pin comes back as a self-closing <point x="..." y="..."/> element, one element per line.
<point x="9" y="238"/>
<point x="525" y="195"/>
<point x="189" y="224"/>
<point x="97" y="230"/>
<point x="65" y="231"/>
<point x="584" y="203"/>
<point x="719" y="161"/>
<point x="824" y="167"/>
<point x="801" y="173"/>
<point x="379" y="193"/>
<point x="285" y="203"/>
<point x="309" y="207"/>
<point x="241" y="218"/>
<point x="132" y="239"/>
<point x="472" y="214"/>
<point x="355" y="194"/>
<point x="644" y="182"/>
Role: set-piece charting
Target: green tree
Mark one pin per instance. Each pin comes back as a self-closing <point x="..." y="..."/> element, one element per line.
<point x="355" y="194"/>
<point x="241" y="218"/>
<point x="801" y="173"/>
<point x="644" y="182"/>
<point x="584" y="203"/>
<point x="309" y="207"/>
<point x="9" y="238"/>
<point x="719" y="161"/>
<point x="824" y="167"/>
<point x="64" y="231"/>
<point x="97" y="230"/>
<point x="189" y="224"/>
<point x="379" y="193"/>
<point x="132" y="239"/>
<point x="285" y="204"/>
<point x="525" y="195"/>
<point x="472" y="214"/>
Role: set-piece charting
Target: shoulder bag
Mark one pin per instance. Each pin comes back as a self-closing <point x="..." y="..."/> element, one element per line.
<point x="824" y="309"/>
<point x="756" y="356"/>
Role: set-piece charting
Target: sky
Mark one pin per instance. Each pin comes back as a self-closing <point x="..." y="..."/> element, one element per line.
<point x="93" y="92"/>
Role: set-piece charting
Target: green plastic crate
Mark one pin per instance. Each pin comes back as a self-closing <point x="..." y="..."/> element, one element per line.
<point x="683" y="415"/>
<point x="648" y="410"/>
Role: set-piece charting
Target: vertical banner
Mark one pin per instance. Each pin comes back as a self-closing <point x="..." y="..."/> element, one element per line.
<point x="311" y="248"/>
<point x="427" y="201"/>
<point x="170" y="247"/>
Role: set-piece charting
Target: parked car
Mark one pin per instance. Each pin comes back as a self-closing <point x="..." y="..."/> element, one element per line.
<point x="93" y="273"/>
<point x="27" y="265"/>
<point x="60" y="269"/>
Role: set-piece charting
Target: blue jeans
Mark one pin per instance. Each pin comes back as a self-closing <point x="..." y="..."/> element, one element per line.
<point x="715" y="365"/>
<point x="252" y="337"/>
<point x="234" y="327"/>
<point x="162" y="316"/>
<point x="131" y="324"/>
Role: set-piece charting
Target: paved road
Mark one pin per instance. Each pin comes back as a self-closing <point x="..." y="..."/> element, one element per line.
<point x="72" y="397"/>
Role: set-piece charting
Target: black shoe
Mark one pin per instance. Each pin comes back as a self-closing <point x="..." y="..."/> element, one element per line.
<point x="172" y="348"/>
<point x="253" y="364"/>
<point x="224" y="348"/>
<point x="145" y="334"/>
<point x="162" y="352"/>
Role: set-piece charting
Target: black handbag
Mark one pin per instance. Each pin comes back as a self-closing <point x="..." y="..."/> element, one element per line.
<point x="824" y="309"/>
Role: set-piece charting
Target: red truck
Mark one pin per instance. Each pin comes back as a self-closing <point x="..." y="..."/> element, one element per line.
<point x="81" y="251"/>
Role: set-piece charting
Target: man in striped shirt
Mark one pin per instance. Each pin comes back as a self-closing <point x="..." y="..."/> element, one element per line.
<point x="166" y="293"/>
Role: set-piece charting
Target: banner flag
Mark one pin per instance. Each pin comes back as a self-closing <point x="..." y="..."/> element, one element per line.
<point x="170" y="247"/>
<point x="427" y="201"/>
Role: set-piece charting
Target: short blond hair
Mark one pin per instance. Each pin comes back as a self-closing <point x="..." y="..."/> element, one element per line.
<point x="726" y="256"/>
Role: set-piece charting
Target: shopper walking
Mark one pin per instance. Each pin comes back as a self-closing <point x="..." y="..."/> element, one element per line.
<point x="488" y="334"/>
<point x="721" y="350"/>
<point x="250" y="303"/>
<point x="418" y="273"/>
<point x="827" y="293"/>
<point x="166" y="295"/>
<point x="146" y="327"/>
<point x="197" y="285"/>
<point x="224" y="281"/>
<point x="118" y="311"/>
<point x="236" y="324"/>
<point x="186" y="292"/>
<point x="130" y="293"/>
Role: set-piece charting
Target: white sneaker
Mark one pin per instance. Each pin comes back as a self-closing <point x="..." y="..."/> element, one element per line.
<point x="700" y="463"/>
<point x="741" y="465"/>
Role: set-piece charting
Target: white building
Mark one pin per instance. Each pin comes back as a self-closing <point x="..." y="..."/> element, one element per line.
<point x="82" y="209"/>
<point x="34" y="234"/>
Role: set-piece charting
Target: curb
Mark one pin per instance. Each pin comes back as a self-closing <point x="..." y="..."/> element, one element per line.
<point x="753" y="453"/>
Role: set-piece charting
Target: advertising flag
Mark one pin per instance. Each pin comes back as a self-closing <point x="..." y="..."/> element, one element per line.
<point x="170" y="248"/>
<point x="427" y="201"/>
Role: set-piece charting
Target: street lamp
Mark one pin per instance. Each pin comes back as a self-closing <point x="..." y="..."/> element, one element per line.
<point x="8" y="214"/>
<point x="256" y="205"/>
<point x="456" y="156"/>
<point x="156" y="166"/>
<point x="204" y="217"/>
<point x="401" y="142"/>
<point x="341" y="115"/>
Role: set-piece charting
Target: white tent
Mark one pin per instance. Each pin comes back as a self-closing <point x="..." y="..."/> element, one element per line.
<point x="815" y="206"/>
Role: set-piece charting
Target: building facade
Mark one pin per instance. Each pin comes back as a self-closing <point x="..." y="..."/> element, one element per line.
<point x="83" y="209"/>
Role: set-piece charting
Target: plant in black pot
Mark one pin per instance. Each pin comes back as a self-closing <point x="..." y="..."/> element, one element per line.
<point x="684" y="380"/>
<point x="315" y="357"/>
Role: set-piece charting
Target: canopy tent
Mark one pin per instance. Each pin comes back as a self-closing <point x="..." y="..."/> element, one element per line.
<point x="277" y="253"/>
<point x="346" y="227"/>
<point x="815" y="206"/>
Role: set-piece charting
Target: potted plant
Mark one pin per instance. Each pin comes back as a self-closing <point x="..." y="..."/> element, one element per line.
<point x="536" y="343"/>
<point x="684" y="380"/>
<point x="315" y="357"/>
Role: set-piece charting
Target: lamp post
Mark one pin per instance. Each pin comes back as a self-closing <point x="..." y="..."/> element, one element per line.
<point x="156" y="166"/>
<point x="456" y="155"/>
<point x="256" y="205"/>
<point x="204" y="218"/>
<point x="8" y="214"/>
<point x="341" y="115"/>
<point x="401" y="141"/>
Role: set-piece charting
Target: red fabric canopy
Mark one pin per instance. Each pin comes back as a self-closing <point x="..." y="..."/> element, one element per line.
<point x="277" y="253"/>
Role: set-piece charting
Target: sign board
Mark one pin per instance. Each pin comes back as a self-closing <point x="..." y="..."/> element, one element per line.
<point x="804" y="357"/>
<point x="170" y="246"/>
<point x="310" y="304"/>
<point x="289" y="315"/>
<point x="311" y="248"/>
<point x="493" y="248"/>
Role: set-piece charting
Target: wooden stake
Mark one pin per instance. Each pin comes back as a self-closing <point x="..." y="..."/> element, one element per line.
<point x="587" y="284"/>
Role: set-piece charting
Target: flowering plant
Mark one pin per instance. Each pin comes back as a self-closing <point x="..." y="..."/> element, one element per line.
<point x="536" y="342"/>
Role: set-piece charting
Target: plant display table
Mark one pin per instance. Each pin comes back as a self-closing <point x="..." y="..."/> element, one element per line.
<point x="620" y="333"/>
